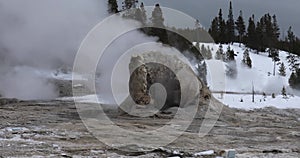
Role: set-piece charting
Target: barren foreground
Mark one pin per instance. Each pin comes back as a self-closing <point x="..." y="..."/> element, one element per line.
<point x="54" y="129"/>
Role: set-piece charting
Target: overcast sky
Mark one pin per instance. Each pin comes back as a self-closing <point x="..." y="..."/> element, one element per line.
<point x="287" y="11"/>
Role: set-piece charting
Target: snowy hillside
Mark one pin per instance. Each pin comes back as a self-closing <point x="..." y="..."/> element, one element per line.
<point x="238" y="90"/>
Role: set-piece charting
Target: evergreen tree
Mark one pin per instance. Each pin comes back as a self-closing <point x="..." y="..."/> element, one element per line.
<point x="144" y="15"/>
<point x="209" y="54"/>
<point x="197" y="45"/>
<point x="294" y="79"/>
<point x="283" y="92"/>
<point x="130" y="11"/>
<point x="240" y="26"/>
<point x="251" y="34"/>
<point x="203" y="51"/>
<point x="112" y="6"/>
<point x="260" y="37"/>
<point x="274" y="53"/>
<point x="157" y="28"/>
<point x="282" y="69"/>
<point x="222" y="28"/>
<point x="128" y="4"/>
<point x="197" y="28"/>
<point x="229" y="54"/>
<point x="206" y="52"/>
<point x="291" y="37"/>
<point x="157" y="17"/>
<point x="220" y="53"/>
<point x="249" y="62"/>
<point x="230" y="25"/>
<point x="245" y="55"/>
<point x="267" y="31"/>
<point x="276" y="31"/>
<point x="292" y="42"/>
<point x="217" y="29"/>
<point x="214" y="30"/>
<point x="293" y="62"/>
<point x="246" y="58"/>
<point x="140" y="14"/>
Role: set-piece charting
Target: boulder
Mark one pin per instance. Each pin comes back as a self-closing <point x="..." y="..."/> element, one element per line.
<point x="181" y="85"/>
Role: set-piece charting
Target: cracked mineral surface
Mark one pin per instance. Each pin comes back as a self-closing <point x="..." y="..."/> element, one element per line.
<point x="54" y="129"/>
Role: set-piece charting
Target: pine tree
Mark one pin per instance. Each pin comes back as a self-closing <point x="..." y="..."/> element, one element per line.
<point x="128" y="4"/>
<point x="209" y="54"/>
<point x="245" y="55"/>
<point x="157" y="17"/>
<point x="167" y="37"/>
<point x="291" y="37"/>
<point x="229" y="54"/>
<point x="273" y="53"/>
<point x="260" y="36"/>
<point x="276" y="31"/>
<point x="291" y="41"/>
<point x="222" y="28"/>
<point x="267" y="31"/>
<point x="203" y="51"/>
<point x="197" y="46"/>
<point x="217" y="29"/>
<point x="220" y="53"/>
<point x="251" y="34"/>
<point x="140" y="14"/>
<point x="240" y="26"/>
<point x="129" y="8"/>
<point x="230" y="25"/>
<point x="214" y="30"/>
<point x="112" y="6"/>
<point x="282" y="69"/>
<point x="294" y="79"/>
<point x="293" y="62"/>
<point x="249" y="62"/>
<point x="197" y="30"/>
<point x="283" y="92"/>
<point x="206" y="52"/>
<point x="246" y="58"/>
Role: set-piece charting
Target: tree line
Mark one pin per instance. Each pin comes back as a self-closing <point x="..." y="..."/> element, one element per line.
<point x="261" y="36"/>
<point x="154" y="26"/>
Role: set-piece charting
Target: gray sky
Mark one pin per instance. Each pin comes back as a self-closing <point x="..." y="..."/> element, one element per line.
<point x="287" y="11"/>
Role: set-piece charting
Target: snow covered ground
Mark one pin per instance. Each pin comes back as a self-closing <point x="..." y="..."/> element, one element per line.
<point x="239" y="89"/>
<point x="245" y="101"/>
<point x="86" y="99"/>
<point x="260" y="75"/>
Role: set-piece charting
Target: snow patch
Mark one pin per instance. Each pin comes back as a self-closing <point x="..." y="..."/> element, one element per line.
<point x="208" y="152"/>
<point x="261" y="75"/>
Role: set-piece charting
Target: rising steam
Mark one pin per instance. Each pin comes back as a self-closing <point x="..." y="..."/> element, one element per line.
<point x="40" y="36"/>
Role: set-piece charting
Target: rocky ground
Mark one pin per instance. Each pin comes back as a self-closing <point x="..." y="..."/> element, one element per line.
<point x="54" y="129"/>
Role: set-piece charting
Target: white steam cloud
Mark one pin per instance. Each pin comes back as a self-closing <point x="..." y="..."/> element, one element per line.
<point x="41" y="35"/>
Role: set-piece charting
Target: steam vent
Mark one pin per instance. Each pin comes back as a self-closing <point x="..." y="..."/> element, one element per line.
<point x="151" y="68"/>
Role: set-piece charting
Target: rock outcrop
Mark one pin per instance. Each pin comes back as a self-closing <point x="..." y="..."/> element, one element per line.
<point x="173" y="72"/>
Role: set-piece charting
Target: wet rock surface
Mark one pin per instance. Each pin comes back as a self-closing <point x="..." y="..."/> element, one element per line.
<point x="54" y="129"/>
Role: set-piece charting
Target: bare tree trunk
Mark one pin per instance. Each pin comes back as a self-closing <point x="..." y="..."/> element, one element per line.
<point x="253" y="92"/>
<point x="274" y="68"/>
